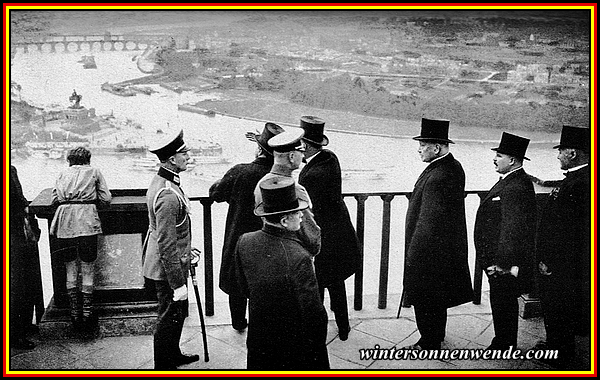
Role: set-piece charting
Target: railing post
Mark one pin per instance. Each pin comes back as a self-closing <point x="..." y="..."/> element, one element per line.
<point x="385" y="250"/>
<point x="209" y="292"/>
<point x="478" y="274"/>
<point x="360" y="233"/>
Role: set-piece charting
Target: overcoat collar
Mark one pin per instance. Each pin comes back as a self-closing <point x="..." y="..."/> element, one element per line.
<point x="316" y="159"/>
<point x="442" y="161"/>
<point x="279" y="232"/>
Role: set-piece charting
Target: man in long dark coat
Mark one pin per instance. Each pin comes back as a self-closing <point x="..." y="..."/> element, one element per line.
<point x="287" y="322"/>
<point x="505" y="236"/>
<point x="436" y="270"/>
<point x="563" y="249"/>
<point x="25" y="278"/>
<point x="340" y="255"/>
<point x="237" y="188"/>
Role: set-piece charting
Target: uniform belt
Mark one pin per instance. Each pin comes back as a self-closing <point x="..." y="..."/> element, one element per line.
<point x="73" y="202"/>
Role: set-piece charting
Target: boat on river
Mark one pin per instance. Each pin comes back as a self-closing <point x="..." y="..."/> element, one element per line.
<point x="117" y="89"/>
<point x="143" y="89"/>
<point x="193" y="107"/>
<point x="89" y="62"/>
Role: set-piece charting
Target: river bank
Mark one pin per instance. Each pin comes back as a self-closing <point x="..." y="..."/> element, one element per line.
<point x="269" y="106"/>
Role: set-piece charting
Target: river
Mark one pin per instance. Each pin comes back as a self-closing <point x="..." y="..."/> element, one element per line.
<point x="370" y="163"/>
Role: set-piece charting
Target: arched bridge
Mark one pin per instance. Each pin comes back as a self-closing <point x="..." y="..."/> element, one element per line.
<point x="86" y="43"/>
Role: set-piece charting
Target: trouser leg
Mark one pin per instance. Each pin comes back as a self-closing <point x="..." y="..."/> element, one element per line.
<point x="339" y="305"/>
<point x="558" y="308"/>
<point x="237" y="309"/>
<point x="505" y="310"/>
<point x="167" y="333"/>
<point x="431" y="322"/>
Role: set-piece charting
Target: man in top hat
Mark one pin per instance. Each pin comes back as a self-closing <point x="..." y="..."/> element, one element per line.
<point x="563" y="249"/>
<point x="237" y="189"/>
<point x="287" y="322"/>
<point x="340" y="254"/>
<point x="166" y="258"/>
<point x="288" y="153"/>
<point x="505" y="237"/>
<point x="436" y="270"/>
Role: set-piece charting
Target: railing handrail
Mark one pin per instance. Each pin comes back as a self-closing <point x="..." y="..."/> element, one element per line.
<point x="361" y="197"/>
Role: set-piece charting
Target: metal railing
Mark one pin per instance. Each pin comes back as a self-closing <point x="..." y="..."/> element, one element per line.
<point x="361" y="198"/>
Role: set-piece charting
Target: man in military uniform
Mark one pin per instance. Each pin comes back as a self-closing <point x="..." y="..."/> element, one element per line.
<point x="166" y="260"/>
<point x="288" y="151"/>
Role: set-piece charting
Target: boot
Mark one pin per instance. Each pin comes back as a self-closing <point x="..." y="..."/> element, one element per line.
<point x="88" y="310"/>
<point x="75" y="308"/>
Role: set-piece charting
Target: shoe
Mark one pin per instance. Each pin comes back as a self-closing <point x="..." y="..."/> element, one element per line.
<point x="413" y="347"/>
<point x="240" y="326"/>
<point x="185" y="359"/>
<point x="23" y="344"/>
<point x="419" y="346"/>
<point x="344" y="334"/>
<point x="160" y="367"/>
<point x="496" y="346"/>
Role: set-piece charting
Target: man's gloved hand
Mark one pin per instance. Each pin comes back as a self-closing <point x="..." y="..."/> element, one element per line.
<point x="180" y="294"/>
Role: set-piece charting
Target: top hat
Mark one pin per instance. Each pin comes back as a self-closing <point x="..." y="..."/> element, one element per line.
<point x="287" y="141"/>
<point x="574" y="137"/>
<point x="434" y="130"/>
<point x="269" y="131"/>
<point x="313" y="130"/>
<point x="279" y="197"/>
<point x="513" y="145"/>
<point x="169" y="146"/>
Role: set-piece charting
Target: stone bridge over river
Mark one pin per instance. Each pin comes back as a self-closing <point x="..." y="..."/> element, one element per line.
<point x="85" y="43"/>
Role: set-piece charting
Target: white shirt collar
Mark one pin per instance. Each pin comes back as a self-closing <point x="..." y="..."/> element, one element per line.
<point x="439" y="158"/>
<point x="313" y="156"/>
<point x="576" y="168"/>
<point x="510" y="172"/>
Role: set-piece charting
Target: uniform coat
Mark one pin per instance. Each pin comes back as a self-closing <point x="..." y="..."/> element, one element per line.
<point x="340" y="255"/>
<point x="563" y="244"/>
<point x="287" y="322"/>
<point x="167" y="256"/>
<point x="504" y="237"/>
<point x="505" y="227"/>
<point x="436" y="270"/>
<point x="237" y="189"/>
<point x="166" y="262"/>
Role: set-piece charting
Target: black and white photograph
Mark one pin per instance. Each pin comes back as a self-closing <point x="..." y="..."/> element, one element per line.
<point x="383" y="189"/>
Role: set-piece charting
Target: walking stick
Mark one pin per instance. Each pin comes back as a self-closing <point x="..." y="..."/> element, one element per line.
<point x="193" y="265"/>
<point x="401" y="303"/>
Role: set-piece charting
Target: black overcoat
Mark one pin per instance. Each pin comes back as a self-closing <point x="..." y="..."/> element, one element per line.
<point x="237" y="189"/>
<point x="505" y="227"/>
<point x="436" y="269"/>
<point x="340" y="255"/>
<point x="287" y="327"/>
<point x="563" y="240"/>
